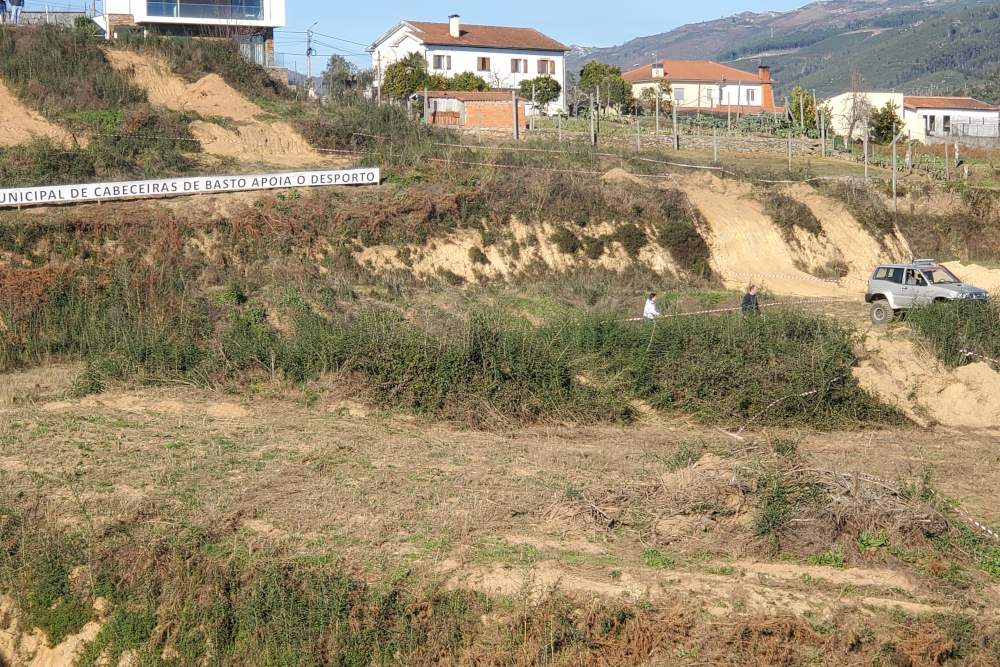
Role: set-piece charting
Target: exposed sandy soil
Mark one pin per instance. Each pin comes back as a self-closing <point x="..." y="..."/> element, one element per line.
<point x="461" y="506"/>
<point x="451" y="253"/>
<point x="19" y="124"/>
<point x="903" y="373"/>
<point x="975" y="274"/>
<point x="247" y="139"/>
<point x="24" y="647"/>
<point x="744" y="240"/>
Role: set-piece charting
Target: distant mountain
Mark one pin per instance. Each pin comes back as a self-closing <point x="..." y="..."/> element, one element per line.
<point x="819" y="44"/>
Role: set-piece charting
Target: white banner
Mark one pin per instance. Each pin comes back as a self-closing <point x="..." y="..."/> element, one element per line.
<point x="60" y="194"/>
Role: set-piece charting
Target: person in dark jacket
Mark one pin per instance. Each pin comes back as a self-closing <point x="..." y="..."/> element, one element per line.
<point x="3" y="11"/>
<point x="750" y="307"/>
<point x="15" y="11"/>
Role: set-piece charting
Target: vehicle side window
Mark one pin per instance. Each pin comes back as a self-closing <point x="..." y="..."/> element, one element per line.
<point x="890" y="274"/>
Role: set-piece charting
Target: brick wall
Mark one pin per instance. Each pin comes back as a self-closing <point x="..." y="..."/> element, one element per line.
<point x="495" y="114"/>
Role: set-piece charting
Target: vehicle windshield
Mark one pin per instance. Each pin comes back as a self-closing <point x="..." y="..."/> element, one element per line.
<point x="939" y="276"/>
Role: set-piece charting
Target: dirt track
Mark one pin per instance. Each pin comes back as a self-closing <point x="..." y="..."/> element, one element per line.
<point x="471" y="508"/>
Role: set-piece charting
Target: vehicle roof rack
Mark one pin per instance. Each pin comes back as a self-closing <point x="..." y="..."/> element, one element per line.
<point x="925" y="260"/>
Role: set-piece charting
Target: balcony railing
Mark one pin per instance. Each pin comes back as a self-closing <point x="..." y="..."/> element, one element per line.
<point x="226" y="10"/>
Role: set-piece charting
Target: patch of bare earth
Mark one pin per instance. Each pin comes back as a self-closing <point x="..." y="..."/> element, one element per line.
<point x="599" y="511"/>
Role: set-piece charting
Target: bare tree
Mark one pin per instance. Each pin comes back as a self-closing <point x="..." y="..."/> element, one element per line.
<point x="858" y="108"/>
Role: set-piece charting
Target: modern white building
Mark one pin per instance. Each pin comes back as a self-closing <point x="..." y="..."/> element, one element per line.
<point x="504" y="57"/>
<point x="252" y="22"/>
<point x="707" y="86"/>
<point x="927" y="119"/>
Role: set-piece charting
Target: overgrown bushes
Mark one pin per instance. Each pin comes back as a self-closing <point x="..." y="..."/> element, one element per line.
<point x="953" y="326"/>
<point x="64" y="75"/>
<point x="788" y="213"/>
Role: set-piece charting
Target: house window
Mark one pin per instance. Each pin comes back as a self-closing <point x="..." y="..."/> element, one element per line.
<point x="930" y="123"/>
<point x="750" y="95"/>
<point x="442" y="62"/>
<point x="678" y="93"/>
<point x="518" y="66"/>
<point x="483" y="64"/>
<point x="230" y="10"/>
<point x="546" y="66"/>
<point x="946" y="124"/>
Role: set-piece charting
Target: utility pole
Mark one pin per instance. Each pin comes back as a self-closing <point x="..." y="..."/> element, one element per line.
<point x="638" y="133"/>
<point x="802" y="113"/>
<point x="894" y="140"/>
<point x="715" y="144"/>
<point x="513" y="104"/>
<point x="427" y="108"/>
<point x="947" y="172"/>
<point x="822" y="130"/>
<point x="677" y="139"/>
<point x="310" y="52"/>
<point x="866" y="149"/>
<point x="378" y="68"/>
<point x="597" y="120"/>
<point x="658" y="93"/>
<point x="560" y="125"/>
<point x="789" y="150"/>
<point x="593" y="135"/>
<point x="533" y="107"/>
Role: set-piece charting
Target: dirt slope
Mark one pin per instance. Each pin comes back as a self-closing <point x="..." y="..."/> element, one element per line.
<point x="975" y="274"/>
<point x="19" y="124"/>
<point x="245" y="138"/>
<point x="909" y="376"/>
<point x="744" y="240"/>
<point x="452" y="254"/>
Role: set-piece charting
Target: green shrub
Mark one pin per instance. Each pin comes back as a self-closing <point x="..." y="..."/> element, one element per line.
<point x="788" y="213"/>
<point x="477" y="256"/>
<point x="631" y="238"/>
<point x="566" y="241"/>
<point x="653" y="558"/>
<point x="957" y="325"/>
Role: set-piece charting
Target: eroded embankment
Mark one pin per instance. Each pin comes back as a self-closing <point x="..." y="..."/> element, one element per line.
<point x="232" y="128"/>
<point x="744" y="240"/>
<point x="19" y="124"/>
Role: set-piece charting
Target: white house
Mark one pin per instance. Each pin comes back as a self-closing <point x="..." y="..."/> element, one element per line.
<point x="252" y="22"/>
<point x="926" y="119"/>
<point x="955" y="117"/>
<point x="504" y="57"/>
<point x="707" y="86"/>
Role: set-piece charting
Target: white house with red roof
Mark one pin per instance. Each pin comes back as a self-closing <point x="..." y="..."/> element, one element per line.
<point x="928" y="119"/>
<point x="940" y="117"/>
<point x="503" y="56"/>
<point x="708" y="86"/>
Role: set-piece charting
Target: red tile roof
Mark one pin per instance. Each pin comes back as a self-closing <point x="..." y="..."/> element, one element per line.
<point x="692" y="70"/>
<point x="486" y="36"/>
<point x="471" y="96"/>
<point x="959" y="103"/>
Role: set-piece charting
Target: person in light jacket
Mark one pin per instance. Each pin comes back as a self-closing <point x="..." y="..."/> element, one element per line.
<point x="651" y="311"/>
<point x="15" y="11"/>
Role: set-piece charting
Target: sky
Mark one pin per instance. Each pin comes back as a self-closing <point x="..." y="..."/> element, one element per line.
<point x="347" y="27"/>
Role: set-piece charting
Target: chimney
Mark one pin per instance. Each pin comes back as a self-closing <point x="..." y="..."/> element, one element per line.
<point x="658" y="70"/>
<point x="453" y="25"/>
<point x="766" y="94"/>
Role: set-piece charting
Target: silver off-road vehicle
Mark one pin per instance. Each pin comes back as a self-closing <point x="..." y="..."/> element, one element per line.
<point x="896" y="287"/>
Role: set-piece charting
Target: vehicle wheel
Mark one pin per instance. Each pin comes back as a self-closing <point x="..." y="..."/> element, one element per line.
<point x="881" y="313"/>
